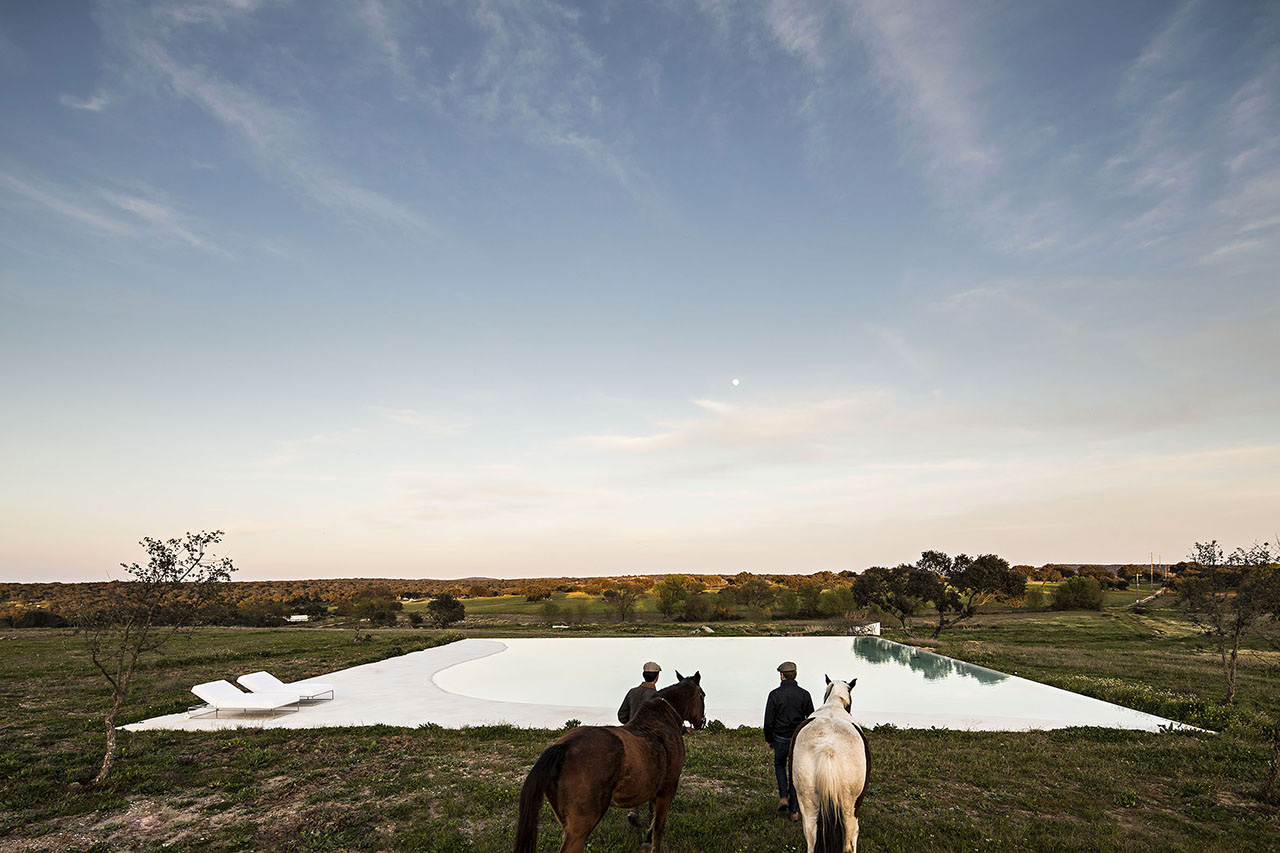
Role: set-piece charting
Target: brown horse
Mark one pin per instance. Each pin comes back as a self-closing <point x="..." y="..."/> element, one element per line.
<point x="594" y="767"/>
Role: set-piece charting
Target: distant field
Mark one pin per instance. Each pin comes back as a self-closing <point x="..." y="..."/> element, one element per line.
<point x="436" y="790"/>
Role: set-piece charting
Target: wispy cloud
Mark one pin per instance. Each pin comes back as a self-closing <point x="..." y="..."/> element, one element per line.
<point x="425" y="422"/>
<point x="272" y="137"/>
<point x="732" y="426"/>
<point x="159" y="216"/>
<point x="94" y="103"/>
<point x="426" y="496"/>
<point x="216" y="12"/>
<point x="924" y="55"/>
<point x="60" y="202"/>
<point x="535" y="74"/>
<point x="135" y="213"/>
<point x="293" y="450"/>
<point x="382" y="33"/>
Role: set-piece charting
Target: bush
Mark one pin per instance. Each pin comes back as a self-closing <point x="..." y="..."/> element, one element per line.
<point x="1078" y="593"/>
<point x="1034" y="599"/>
<point x="444" y="610"/>
<point x="39" y="619"/>
<point x="697" y="608"/>
<point x="550" y="612"/>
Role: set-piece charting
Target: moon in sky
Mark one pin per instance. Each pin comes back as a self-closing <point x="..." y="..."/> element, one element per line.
<point x="735" y="382"/>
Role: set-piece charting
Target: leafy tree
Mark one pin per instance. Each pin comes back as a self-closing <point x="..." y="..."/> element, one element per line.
<point x="179" y="580"/>
<point x="839" y="601"/>
<point x="672" y="592"/>
<point x="810" y="592"/>
<point x="1226" y="599"/>
<point x="622" y="599"/>
<point x="444" y="610"/>
<point x="892" y="591"/>
<point x="697" y="607"/>
<point x="377" y="603"/>
<point x="415" y="618"/>
<point x="754" y="592"/>
<point x="1078" y="593"/>
<point x="959" y="587"/>
<point x="788" y="603"/>
<point x="538" y="589"/>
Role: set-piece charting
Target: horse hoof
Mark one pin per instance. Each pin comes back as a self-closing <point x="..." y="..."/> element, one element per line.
<point x="633" y="819"/>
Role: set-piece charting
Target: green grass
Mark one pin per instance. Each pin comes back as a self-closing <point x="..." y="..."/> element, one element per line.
<point x="433" y="789"/>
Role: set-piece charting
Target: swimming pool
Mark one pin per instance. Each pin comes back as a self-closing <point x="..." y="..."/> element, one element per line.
<point x="545" y="681"/>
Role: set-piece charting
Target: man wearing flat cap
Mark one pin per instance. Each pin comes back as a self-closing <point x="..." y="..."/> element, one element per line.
<point x="637" y="696"/>
<point x="641" y="693"/>
<point x="789" y="704"/>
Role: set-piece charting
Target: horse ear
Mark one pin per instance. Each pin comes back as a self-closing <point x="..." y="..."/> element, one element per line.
<point x="853" y="682"/>
<point x="697" y="677"/>
<point x="679" y="677"/>
<point x="827" y="677"/>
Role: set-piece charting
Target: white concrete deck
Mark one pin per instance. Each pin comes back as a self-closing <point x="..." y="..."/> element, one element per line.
<point x="541" y="683"/>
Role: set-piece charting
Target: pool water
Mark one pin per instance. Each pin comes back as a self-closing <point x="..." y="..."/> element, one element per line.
<point x="896" y="683"/>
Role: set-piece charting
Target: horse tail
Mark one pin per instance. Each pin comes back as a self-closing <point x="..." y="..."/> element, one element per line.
<point x="828" y="777"/>
<point x="545" y="772"/>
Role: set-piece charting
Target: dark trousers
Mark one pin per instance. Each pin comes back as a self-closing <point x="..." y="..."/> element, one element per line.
<point x="787" y="791"/>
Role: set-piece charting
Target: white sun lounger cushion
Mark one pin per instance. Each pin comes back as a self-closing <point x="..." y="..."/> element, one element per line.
<point x="265" y="682"/>
<point x="225" y="696"/>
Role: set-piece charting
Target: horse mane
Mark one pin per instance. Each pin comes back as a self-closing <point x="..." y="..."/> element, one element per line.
<point x="681" y="691"/>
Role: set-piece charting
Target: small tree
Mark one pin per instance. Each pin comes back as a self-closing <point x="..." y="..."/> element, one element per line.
<point x="1227" y="600"/>
<point x="550" y="612"/>
<point x="444" y="610"/>
<point x="179" y="580"/>
<point x="622" y="599"/>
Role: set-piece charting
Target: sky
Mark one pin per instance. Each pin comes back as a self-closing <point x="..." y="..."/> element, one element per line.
<point x="443" y="289"/>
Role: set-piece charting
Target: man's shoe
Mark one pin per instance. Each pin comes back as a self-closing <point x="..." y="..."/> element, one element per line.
<point x="795" y="816"/>
<point x="783" y="805"/>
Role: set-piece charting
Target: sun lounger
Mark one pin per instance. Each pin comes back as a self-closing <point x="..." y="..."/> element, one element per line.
<point x="224" y="696"/>
<point x="265" y="682"/>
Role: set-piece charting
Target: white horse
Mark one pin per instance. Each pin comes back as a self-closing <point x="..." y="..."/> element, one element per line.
<point x="830" y="764"/>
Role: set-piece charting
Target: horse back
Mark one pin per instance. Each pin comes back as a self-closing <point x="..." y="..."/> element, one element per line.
<point x="653" y="759"/>
<point x="843" y="743"/>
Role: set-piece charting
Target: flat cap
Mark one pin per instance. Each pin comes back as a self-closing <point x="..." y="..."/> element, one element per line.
<point x="787" y="666"/>
<point x="651" y="667"/>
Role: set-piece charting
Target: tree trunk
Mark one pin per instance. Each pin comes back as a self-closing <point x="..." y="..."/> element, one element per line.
<point x="1229" y="666"/>
<point x="108" y="759"/>
<point x="1227" y="675"/>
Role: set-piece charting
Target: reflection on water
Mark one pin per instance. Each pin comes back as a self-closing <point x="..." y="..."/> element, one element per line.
<point x="876" y="650"/>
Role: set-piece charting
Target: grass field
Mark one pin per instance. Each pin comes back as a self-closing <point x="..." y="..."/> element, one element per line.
<point x="440" y="790"/>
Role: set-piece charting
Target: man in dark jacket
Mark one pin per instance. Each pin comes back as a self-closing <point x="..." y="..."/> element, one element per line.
<point x="637" y="696"/>
<point x="641" y="693"/>
<point x="789" y="704"/>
